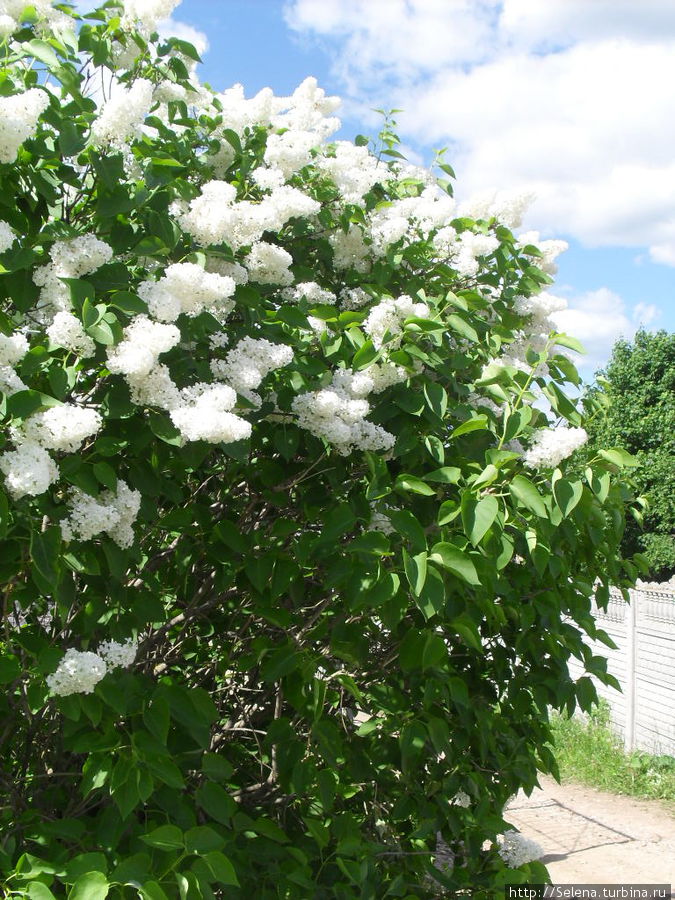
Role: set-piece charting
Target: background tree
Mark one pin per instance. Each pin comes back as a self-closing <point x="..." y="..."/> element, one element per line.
<point x="292" y="565"/>
<point x="636" y="410"/>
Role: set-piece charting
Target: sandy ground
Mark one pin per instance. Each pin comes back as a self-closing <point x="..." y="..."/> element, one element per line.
<point x="590" y="837"/>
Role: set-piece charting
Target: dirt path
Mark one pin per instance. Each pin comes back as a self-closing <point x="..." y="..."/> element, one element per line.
<point x="590" y="837"/>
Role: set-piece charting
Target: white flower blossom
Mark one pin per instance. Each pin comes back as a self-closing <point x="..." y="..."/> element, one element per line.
<point x="146" y="14"/>
<point x="337" y="414"/>
<point x="516" y="850"/>
<point x="19" y="115"/>
<point x="67" y="331"/>
<point x="388" y="316"/>
<point x="269" y="264"/>
<point x="206" y="416"/>
<point x="113" y="513"/>
<point x="551" y="445"/>
<point x="245" y="365"/>
<point x="7" y="236"/>
<point x="187" y="288"/>
<point x="78" y="673"/>
<point x="117" y="655"/>
<point x="29" y="470"/>
<point x="122" y="115"/>
<point x="63" y="428"/>
<point x="144" y="342"/>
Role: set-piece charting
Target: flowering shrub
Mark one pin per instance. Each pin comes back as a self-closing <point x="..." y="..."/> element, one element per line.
<point x="291" y="565"/>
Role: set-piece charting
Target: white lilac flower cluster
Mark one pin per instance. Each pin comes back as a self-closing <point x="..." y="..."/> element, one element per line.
<point x="117" y="655"/>
<point x="145" y="15"/>
<point x="540" y="308"/>
<point x="13" y="348"/>
<point x="64" y="428"/>
<point x="79" y="671"/>
<point x="123" y="114"/>
<point x="187" y="288"/>
<point x="462" y="799"/>
<point x="508" y="207"/>
<point x="67" y="331"/>
<point x="216" y="217"/>
<point x="7" y="237"/>
<point x="204" y="415"/>
<point x="19" y="115"/>
<point x="113" y="513"/>
<point x="311" y="292"/>
<point x="385" y="320"/>
<point x="29" y="469"/>
<point x="551" y="445"/>
<point x="245" y="366"/>
<point x="69" y="259"/>
<point x="337" y="414"/>
<point x="549" y="250"/>
<point x="353" y="170"/>
<point x="516" y="850"/>
<point x="12" y="14"/>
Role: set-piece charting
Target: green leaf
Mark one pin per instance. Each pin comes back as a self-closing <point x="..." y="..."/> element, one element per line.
<point x="215" y="801"/>
<point x="448" y="511"/>
<point x="91" y="886"/>
<point x="456" y="561"/>
<point x="36" y="890"/>
<point x="166" y="837"/>
<point x="413" y="484"/>
<point x="125" y="792"/>
<point x="24" y="403"/>
<point x="461" y="326"/>
<point x="407" y="525"/>
<point x="478" y="515"/>
<point x="83" y="863"/>
<point x="564" y="340"/>
<point x="10" y="668"/>
<point x="203" y="839"/>
<point x="527" y="494"/>
<point x="619" y="457"/>
<point x="364" y="356"/>
<point x="445" y="475"/>
<point x="466" y="628"/>
<point x="128" y="303"/>
<point x="216" y="767"/>
<point x="477" y="423"/>
<point x="44" y="552"/>
<point x="221" y="868"/>
<point x="567" y="494"/>
<point x="106" y="475"/>
<point x="44" y="52"/>
<point x="412" y="741"/>
<point x="279" y="663"/>
<point x="422" y="650"/>
<point x="436" y="397"/>
<point x="415" y="570"/>
<point x="163" y="428"/>
<point x="431" y="599"/>
<point x="151" y="890"/>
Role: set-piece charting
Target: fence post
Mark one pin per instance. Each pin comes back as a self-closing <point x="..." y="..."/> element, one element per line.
<point x="631" y="651"/>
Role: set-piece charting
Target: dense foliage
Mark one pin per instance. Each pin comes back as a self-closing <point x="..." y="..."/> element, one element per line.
<point x="636" y="410"/>
<point x="291" y="565"/>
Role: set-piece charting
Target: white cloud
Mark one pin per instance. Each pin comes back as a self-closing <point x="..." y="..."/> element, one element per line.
<point x="570" y="98"/>
<point x="598" y="319"/>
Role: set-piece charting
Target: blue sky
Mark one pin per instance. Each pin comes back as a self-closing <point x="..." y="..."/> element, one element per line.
<point x="570" y="98"/>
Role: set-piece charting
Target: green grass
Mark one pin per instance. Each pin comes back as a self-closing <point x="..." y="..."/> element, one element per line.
<point x="589" y="752"/>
